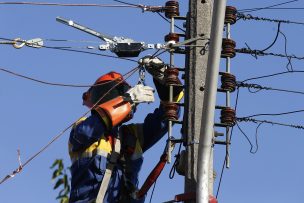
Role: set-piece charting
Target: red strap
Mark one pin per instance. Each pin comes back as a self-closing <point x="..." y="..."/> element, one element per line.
<point x="152" y="176"/>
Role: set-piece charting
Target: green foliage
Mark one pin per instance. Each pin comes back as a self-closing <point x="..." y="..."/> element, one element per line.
<point x="61" y="179"/>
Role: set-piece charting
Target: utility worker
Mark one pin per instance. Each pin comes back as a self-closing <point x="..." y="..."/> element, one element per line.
<point x="106" y="155"/>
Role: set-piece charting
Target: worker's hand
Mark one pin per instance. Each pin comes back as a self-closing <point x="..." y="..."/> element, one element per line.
<point x="155" y="66"/>
<point x="141" y="94"/>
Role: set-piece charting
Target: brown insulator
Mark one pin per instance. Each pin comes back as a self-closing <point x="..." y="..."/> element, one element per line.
<point x="228" y="82"/>
<point x="170" y="110"/>
<point x="228" y="48"/>
<point x="228" y="116"/>
<point x="171" y="9"/>
<point x="171" y="76"/>
<point x="230" y="15"/>
<point x="172" y="37"/>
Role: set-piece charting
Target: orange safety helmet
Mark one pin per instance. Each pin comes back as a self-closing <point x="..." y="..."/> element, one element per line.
<point x="105" y="88"/>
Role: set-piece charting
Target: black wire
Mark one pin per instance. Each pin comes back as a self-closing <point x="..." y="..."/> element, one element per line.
<point x="287" y="8"/>
<point x="275" y="39"/>
<point x="157" y="55"/>
<point x="274" y="114"/>
<point x="267" y="7"/>
<point x="92" y="53"/>
<point x="272" y="75"/>
<point x="177" y="157"/>
<point x="79" y="51"/>
<point x="126" y="3"/>
<point x="256" y="139"/>
<point x="270" y="122"/>
<point x="231" y="135"/>
<point x="152" y="193"/>
<point x="223" y="169"/>
<point x="259" y="88"/>
<point x="247" y="138"/>
<point x="181" y="29"/>
<point x="289" y="64"/>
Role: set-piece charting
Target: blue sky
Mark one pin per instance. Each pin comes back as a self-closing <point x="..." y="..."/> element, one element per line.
<point x="32" y="114"/>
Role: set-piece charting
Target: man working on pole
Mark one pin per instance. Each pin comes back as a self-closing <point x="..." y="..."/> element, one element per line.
<point x="107" y="155"/>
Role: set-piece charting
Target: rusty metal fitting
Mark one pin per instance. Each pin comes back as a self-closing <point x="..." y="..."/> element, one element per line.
<point x="170" y="110"/>
<point x="228" y="82"/>
<point x="230" y="15"/>
<point x="171" y="9"/>
<point x="172" y="37"/>
<point x="228" y="116"/>
<point x="228" y="48"/>
<point x="171" y="76"/>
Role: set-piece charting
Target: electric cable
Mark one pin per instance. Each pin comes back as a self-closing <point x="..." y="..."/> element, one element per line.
<point x="274" y="114"/>
<point x="289" y="64"/>
<point x="181" y="29"/>
<point x="67" y="4"/>
<point x="231" y="135"/>
<point x="262" y="53"/>
<point x="267" y="7"/>
<point x="152" y="193"/>
<point x="269" y="122"/>
<point x="126" y="3"/>
<point x="79" y="51"/>
<point x="19" y="169"/>
<point x="245" y="135"/>
<point x="272" y="75"/>
<point x="259" y="87"/>
<point x="91" y="53"/>
<point x="49" y="83"/>
<point x="275" y="39"/>
<point x="256" y="18"/>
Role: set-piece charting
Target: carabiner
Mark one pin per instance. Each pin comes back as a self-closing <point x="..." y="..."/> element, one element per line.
<point x="142" y="76"/>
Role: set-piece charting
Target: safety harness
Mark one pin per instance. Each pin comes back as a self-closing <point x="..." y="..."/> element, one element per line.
<point x="136" y="193"/>
<point x="114" y="156"/>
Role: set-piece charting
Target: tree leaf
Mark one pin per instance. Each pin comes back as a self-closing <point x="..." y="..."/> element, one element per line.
<point x="55" y="163"/>
<point x="58" y="183"/>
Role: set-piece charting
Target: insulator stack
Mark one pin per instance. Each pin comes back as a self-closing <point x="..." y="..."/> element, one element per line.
<point x="230" y="15"/>
<point x="172" y="37"/>
<point x="171" y="76"/>
<point x="228" y="48"/>
<point x="172" y="9"/>
<point x="171" y="111"/>
<point x="228" y="116"/>
<point x="228" y="82"/>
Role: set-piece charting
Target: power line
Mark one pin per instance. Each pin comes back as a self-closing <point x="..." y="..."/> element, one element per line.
<point x="88" y="52"/>
<point x="262" y="53"/>
<point x="126" y="3"/>
<point x="259" y="87"/>
<point x="48" y="83"/>
<point x="272" y="75"/>
<point x="181" y="29"/>
<point x="65" y="4"/>
<point x="231" y="135"/>
<point x="274" y="114"/>
<point x="256" y="18"/>
<point x="244" y="119"/>
<point x="267" y="7"/>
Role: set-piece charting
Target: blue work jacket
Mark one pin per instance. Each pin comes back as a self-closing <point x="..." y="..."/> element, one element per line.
<point x="90" y="145"/>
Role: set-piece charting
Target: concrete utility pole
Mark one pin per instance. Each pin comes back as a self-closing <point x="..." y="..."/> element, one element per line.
<point x="199" y="22"/>
<point x="207" y="124"/>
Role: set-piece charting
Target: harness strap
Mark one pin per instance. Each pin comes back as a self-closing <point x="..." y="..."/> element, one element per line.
<point x="108" y="173"/>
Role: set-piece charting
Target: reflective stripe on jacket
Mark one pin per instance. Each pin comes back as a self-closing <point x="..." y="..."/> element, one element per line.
<point x="89" y="147"/>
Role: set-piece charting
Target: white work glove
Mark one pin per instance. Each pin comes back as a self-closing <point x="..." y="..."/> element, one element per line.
<point x="155" y="66"/>
<point x="141" y="94"/>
